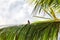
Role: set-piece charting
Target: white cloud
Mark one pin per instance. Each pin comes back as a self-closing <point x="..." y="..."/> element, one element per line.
<point x="2" y="21"/>
<point x="12" y="12"/>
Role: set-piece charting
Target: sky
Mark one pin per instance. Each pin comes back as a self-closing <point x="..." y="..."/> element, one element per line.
<point x="15" y="12"/>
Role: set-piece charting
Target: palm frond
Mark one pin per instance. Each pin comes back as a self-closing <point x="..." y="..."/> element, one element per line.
<point x="52" y="13"/>
<point x="45" y="30"/>
<point x="45" y="4"/>
<point x="41" y="17"/>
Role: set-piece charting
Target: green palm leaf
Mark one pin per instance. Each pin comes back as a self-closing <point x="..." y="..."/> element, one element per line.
<point x="46" y="5"/>
<point x="45" y="30"/>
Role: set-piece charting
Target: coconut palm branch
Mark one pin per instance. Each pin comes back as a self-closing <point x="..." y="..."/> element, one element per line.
<point x="40" y="30"/>
<point x="50" y="7"/>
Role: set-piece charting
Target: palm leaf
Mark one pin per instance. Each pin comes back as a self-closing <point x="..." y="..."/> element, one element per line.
<point x="41" y="17"/>
<point x="46" y="4"/>
<point x="52" y="13"/>
<point x="45" y="30"/>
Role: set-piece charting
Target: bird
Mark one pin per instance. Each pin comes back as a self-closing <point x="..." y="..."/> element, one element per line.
<point x="28" y="22"/>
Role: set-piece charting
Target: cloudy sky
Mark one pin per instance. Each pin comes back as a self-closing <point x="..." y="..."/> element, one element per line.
<point x="14" y="12"/>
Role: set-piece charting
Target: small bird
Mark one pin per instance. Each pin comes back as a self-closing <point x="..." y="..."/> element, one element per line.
<point x="28" y="22"/>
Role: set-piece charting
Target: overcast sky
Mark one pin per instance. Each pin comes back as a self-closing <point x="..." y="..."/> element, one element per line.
<point x="14" y="12"/>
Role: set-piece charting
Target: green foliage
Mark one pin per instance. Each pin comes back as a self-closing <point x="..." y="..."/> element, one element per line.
<point x="48" y="6"/>
<point x="45" y="30"/>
